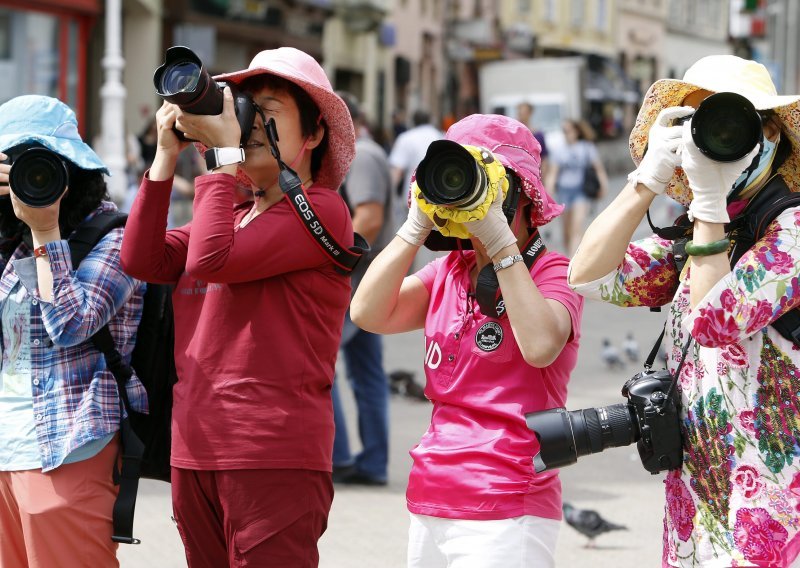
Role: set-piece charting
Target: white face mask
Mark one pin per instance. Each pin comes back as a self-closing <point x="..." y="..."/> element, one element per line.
<point x="764" y="160"/>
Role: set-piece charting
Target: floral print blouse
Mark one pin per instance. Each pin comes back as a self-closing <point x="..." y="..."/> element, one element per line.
<point x="736" y="501"/>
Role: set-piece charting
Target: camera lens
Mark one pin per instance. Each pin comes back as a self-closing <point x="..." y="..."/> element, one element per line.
<point x="449" y="175"/>
<point x="182" y="80"/>
<point x="564" y="436"/>
<point x="180" y="77"/>
<point x="38" y="177"/>
<point x="726" y="126"/>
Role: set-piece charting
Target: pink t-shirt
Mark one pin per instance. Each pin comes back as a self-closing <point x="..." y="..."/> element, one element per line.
<point x="476" y="459"/>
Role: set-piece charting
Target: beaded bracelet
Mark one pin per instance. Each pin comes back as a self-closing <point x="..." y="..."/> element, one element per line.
<point x="708" y="249"/>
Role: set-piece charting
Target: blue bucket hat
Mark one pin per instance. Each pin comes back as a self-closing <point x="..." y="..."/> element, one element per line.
<point x="47" y="121"/>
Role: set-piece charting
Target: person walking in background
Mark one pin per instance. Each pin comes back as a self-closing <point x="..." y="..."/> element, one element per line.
<point x="736" y="499"/>
<point x="60" y="410"/>
<point x="567" y="175"/>
<point x="407" y="152"/>
<point x="525" y="112"/>
<point x="367" y="191"/>
<point x="258" y="310"/>
<point x="473" y="495"/>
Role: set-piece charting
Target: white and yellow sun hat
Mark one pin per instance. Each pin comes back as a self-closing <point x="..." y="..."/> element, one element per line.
<point x="720" y="73"/>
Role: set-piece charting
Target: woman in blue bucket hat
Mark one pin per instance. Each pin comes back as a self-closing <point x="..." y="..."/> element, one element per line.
<point x="59" y="407"/>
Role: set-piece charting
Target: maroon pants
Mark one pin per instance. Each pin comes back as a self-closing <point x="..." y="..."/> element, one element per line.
<point x="251" y="517"/>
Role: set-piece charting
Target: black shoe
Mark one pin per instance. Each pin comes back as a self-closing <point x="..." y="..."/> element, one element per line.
<point x="340" y="472"/>
<point x="358" y="478"/>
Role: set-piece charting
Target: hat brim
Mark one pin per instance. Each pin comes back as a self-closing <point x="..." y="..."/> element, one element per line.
<point x="667" y="93"/>
<point x="341" y="133"/>
<point x="77" y="152"/>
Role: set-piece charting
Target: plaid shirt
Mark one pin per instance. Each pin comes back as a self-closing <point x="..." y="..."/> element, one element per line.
<point x="75" y="398"/>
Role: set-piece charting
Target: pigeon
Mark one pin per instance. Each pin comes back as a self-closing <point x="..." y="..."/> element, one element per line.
<point x="631" y="348"/>
<point x="610" y="356"/>
<point x="588" y="523"/>
<point x="402" y="382"/>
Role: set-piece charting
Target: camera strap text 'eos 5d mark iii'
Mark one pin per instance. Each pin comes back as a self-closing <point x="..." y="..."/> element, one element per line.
<point x="344" y="259"/>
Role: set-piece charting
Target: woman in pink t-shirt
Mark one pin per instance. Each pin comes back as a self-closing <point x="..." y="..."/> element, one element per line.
<point x="473" y="494"/>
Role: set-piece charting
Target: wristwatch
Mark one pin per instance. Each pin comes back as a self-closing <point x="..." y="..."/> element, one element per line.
<point x="218" y="157"/>
<point x="507" y="261"/>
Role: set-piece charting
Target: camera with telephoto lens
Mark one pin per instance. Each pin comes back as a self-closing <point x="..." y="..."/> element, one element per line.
<point x="38" y="176"/>
<point x="450" y="176"/>
<point x="184" y="81"/>
<point x="649" y="418"/>
<point x="725" y="126"/>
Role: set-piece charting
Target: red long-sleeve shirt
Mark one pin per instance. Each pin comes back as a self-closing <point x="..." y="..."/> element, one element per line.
<point x="258" y="318"/>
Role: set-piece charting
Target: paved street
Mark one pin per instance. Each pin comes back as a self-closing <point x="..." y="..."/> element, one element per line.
<point x="367" y="526"/>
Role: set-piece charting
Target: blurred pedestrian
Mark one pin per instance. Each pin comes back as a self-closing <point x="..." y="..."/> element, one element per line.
<point x="525" y="111"/>
<point x="59" y="404"/>
<point x="567" y="175"/>
<point x="368" y="192"/>
<point x="259" y="307"/>
<point x="406" y="154"/>
<point x="473" y="495"/>
<point x="736" y="499"/>
<point x="190" y="165"/>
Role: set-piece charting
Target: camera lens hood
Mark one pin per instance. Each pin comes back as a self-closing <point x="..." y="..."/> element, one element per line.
<point x="38" y="177"/>
<point x="726" y="127"/>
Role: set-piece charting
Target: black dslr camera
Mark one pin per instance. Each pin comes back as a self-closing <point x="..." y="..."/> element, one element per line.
<point x="649" y="418"/>
<point x="38" y="176"/>
<point x="725" y="126"/>
<point x="184" y="81"/>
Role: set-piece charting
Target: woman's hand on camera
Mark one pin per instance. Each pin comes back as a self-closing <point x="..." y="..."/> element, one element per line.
<point x="216" y="130"/>
<point x="167" y="139"/>
<point x="41" y="220"/>
<point x="493" y="231"/>
<point x="710" y="181"/>
<point x="4" y="170"/>
<point x="661" y="158"/>
<point x="417" y="226"/>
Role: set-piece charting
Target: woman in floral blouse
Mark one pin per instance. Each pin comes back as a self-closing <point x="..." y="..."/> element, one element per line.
<point x="736" y="500"/>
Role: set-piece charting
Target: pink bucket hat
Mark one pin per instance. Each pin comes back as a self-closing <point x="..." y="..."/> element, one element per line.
<point x="303" y="70"/>
<point x="719" y="73"/>
<point x="516" y="148"/>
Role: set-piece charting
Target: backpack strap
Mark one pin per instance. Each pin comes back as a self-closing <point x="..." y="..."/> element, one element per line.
<point x="750" y="226"/>
<point x="81" y="242"/>
<point x="84" y="238"/>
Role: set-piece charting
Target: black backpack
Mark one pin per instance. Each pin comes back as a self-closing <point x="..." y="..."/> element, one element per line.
<point x="744" y="231"/>
<point x="145" y="438"/>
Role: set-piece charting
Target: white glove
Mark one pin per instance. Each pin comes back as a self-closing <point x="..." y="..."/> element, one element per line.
<point x="493" y="231"/>
<point x="710" y="181"/>
<point x="417" y="226"/>
<point x="659" y="162"/>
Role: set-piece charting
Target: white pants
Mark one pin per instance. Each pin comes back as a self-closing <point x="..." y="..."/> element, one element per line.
<point x="521" y="542"/>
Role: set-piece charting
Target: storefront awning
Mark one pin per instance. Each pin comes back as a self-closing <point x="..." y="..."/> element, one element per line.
<point x="92" y="7"/>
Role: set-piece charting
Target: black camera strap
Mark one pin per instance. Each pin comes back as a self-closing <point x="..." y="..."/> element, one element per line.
<point x="487" y="287"/>
<point x="344" y="259"/>
<point x="648" y="364"/>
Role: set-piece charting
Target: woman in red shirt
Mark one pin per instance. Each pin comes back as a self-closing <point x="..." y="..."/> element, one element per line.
<point x="259" y="309"/>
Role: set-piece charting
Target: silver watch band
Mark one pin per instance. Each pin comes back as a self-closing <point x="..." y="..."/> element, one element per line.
<point x="507" y="261"/>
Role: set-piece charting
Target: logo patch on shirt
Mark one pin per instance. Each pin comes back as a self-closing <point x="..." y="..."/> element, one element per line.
<point x="489" y="336"/>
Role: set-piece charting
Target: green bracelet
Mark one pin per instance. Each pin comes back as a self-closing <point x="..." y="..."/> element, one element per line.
<point x="708" y="249"/>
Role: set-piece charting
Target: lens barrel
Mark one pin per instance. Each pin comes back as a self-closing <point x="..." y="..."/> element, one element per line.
<point x="38" y="177"/>
<point x="184" y="81"/>
<point x="450" y="176"/>
<point x="564" y="435"/>
<point x="726" y="126"/>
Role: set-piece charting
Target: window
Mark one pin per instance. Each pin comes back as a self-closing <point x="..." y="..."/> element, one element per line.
<point x="549" y="11"/>
<point x="524" y="7"/>
<point x="602" y="12"/>
<point x="577" y="15"/>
